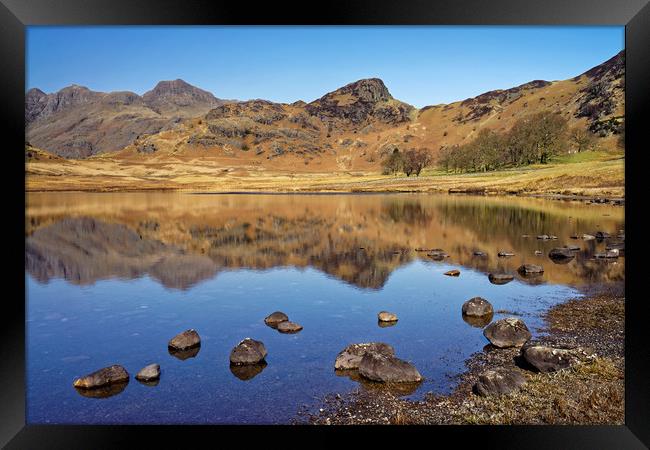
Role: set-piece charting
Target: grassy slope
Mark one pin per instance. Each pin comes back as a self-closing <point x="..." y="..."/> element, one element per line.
<point x="590" y="174"/>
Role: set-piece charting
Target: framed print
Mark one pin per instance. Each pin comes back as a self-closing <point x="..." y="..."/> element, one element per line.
<point x="265" y="220"/>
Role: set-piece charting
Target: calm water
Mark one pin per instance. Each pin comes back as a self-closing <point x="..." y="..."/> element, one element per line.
<point x="112" y="277"/>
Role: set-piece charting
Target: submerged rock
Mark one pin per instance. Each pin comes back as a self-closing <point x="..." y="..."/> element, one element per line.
<point x="103" y="377"/>
<point x="350" y="357"/>
<point x="385" y="316"/>
<point x="387" y="369"/>
<point x="548" y="359"/>
<point x="453" y="273"/>
<point x="600" y="235"/>
<point x="510" y="332"/>
<point x="499" y="381"/>
<point x="561" y="255"/>
<point x="248" y="351"/>
<point x="613" y="253"/>
<point x="530" y="269"/>
<point x="289" y="327"/>
<point x="505" y="254"/>
<point x="437" y="254"/>
<point x="275" y="318"/>
<point x="185" y="340"/>
<point x="500" y="278"/>
<point x="149" y="373"/>
<point x="477" y="307"/>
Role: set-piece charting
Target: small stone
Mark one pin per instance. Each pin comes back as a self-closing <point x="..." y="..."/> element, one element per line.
<point x="248" y="351"/>
<point x="103" y="377"/>
<point x="505" y="254"/>
<point x="477" y="253"/>
<point x="185" y="340"/>
<point x="453" y="273"/>
<point x="149" y="373"/>
<point x="289" y="327"/>
<point x="499" y="381"/>
<point x="385" y="316"/>
<point x="276" y="318"/>
<point x="538" y="252"/>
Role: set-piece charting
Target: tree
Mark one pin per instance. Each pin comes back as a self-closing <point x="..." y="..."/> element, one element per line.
<point x="582" y="139"/>
<point x="393" y="163"/>
<point x="416" y="160"/>
<point x="550" y="130"/>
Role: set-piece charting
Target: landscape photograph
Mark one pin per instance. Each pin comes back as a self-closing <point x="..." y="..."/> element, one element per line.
<point x="325" y="225"/>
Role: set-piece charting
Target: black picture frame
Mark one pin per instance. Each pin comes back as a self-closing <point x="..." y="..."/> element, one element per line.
<point x="15" y="15"/>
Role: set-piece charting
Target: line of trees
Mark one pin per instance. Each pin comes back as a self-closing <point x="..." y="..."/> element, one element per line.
<point x="533" y="139"/>
<point x="411" y="162"/>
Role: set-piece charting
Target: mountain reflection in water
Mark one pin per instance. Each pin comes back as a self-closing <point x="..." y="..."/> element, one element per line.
<point x="183" y="239"/>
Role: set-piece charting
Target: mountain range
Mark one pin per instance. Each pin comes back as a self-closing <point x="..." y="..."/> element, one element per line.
<point x="351" y="128"/>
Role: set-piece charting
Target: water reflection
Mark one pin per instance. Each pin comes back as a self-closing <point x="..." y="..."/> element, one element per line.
<point x="181" y="239"/>
<point x="478" y="321"/>
<point x="398" y="389"/>
<point x="103" y="391"/>
<point x="184" y="354"/>
<point x="247" y="371"/>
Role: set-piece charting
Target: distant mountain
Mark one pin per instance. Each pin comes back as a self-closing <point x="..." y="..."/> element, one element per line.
<point x="350" y="128"/>
<point x="76" y="122"/>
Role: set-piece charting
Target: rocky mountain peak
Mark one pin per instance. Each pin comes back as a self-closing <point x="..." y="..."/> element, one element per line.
<point x="367" y="90"/>
<point x="358" y="101"/>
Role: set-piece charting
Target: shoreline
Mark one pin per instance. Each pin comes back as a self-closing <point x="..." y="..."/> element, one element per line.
<point x="591" y="392"/>
<point x="598" y="199"/>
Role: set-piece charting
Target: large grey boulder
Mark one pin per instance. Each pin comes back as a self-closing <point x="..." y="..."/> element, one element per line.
<point x="387" y="369"/>
<point x="103" y="377"/>
<point x="350" y="357"/>
<point x="549" y="359"/>
<point x="185" y="340"/>
<point x="509" y="332"/>
<point x="248" y="351"/>
<point x="499" y="381"/>
<point x="477" y="307"/>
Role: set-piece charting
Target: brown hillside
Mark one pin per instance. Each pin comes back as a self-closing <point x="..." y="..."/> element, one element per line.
<point x="350" y="129"/>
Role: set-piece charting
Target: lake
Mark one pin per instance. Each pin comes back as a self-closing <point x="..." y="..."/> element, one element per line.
<point x="111" y="278"/>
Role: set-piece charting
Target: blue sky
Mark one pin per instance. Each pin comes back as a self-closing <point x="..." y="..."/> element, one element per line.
<point x="420" y="65"/>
